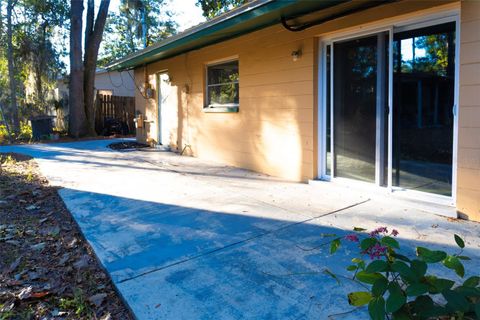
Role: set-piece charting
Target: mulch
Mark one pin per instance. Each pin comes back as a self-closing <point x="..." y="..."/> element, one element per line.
<point x="127" y="145"/>
<point x="47" y="269"/>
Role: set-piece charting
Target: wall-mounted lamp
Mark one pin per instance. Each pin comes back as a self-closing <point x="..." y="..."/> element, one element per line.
<point x="296" y="54"/>
<point x="149" y="92"/>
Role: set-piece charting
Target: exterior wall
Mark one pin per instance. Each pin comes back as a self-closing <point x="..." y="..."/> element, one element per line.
<point x="120" y="84"/>
<point x="468" y="182"/>
<point x="275" y="130"/>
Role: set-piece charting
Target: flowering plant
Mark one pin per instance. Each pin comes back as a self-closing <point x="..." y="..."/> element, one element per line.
<point x="400" y="288"/>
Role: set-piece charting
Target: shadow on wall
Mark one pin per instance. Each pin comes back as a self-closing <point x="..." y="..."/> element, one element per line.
<point x="272" y="132"/>
<point x="221" y="262"/>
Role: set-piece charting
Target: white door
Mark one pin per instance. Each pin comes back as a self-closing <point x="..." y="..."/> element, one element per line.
<point x="167" y="110"/>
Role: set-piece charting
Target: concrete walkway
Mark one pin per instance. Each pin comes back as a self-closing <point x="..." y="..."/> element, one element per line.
<point x="186" y="239"/>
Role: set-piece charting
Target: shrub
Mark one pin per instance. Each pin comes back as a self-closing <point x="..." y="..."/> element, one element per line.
<point x="401" y="288"/>
<point x="3" y="134"/>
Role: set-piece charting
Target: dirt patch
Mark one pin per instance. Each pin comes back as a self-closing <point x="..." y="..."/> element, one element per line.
<point x="127" y="145"/>
<point x="47" y="270"/>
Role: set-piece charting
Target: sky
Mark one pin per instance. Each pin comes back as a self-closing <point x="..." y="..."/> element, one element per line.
<point x="186" y="13"/>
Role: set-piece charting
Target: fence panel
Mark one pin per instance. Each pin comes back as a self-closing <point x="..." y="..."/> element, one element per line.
<point x="114" y="111"/>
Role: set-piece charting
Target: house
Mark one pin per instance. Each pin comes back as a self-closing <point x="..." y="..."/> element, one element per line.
<point x="106" y="82"/>
<point x="382" y="94"/>
<point x="111" y="83"/>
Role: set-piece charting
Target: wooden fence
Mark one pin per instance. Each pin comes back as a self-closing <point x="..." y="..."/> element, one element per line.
<point x="114" y="108"/>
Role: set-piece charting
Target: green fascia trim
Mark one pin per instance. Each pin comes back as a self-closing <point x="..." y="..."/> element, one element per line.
<point x="258" y="18"/>
<point x="220" y="110"/>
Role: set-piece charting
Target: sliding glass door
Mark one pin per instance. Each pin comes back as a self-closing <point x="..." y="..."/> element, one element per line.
<point x="423" y="95"/>
<point x="358" y="72"/>
<point x="391" y="126"/>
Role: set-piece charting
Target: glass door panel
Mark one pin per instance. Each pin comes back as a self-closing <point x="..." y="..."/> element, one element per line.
<point x="355" y="108"/>
<point x="423" y="96"/>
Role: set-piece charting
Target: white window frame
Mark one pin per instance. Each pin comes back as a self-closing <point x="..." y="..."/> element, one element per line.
<point x="207" y="85"/>
<point x="396" y="24"/>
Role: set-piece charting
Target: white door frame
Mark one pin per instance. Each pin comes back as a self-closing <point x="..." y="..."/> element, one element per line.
<point x="159" y="106"/>
<point x="398" y="24"/>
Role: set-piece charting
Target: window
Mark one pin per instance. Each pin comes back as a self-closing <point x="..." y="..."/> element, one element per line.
<point x="222" y="86"/>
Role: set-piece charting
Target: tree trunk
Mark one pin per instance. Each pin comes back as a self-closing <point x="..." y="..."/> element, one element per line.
<point x="93" y="37"/>
<point x="11" y="71"/>
<point x="77" y="119"/>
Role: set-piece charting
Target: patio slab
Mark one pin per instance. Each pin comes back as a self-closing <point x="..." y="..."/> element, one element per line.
<point x="183" y="238"/>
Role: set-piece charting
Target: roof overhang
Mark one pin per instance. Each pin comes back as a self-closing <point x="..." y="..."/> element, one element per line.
<point x="255" y="15"/>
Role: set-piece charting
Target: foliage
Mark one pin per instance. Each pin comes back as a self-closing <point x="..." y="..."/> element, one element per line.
<point x="38" y="38"/>
<point x="432" y="54"/>
<point x="24" y="134"/>
<point x="77" y="303"/>
<point x="213" y="8"/>
<point x="139" y="23"/>
<point x="402" y="288"/>
<point x="3" y="134"/>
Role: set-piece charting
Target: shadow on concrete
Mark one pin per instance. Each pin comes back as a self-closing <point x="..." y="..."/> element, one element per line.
<point x="201" y="263"/>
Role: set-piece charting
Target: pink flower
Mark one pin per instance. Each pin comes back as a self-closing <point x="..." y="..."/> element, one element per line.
<point x="376" y="251"/>
<point x="351" y="237"/>
<point x="394" y="232"/>
<point x="377" y="231"/>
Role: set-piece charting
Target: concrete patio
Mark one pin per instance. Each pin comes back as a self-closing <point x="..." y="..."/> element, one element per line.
<point x="187" y="239"/>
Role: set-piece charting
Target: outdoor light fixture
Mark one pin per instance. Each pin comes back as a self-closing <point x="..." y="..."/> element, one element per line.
<point x="296" y="54"/>
<point x="149" y="91"/>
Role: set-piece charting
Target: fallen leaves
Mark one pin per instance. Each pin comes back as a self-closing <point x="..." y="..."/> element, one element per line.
<point x="45" y="265"/>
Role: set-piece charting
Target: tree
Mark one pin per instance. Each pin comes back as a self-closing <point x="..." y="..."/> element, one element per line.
<point x="29" y="59"/>
<point x="11" y="69"/>
<point x="139" y="24"/>
<point x="36" y="46"/>
<point x="213" y="8"/>
<point x="77" y="118"/>
<point x="82" y="72"/>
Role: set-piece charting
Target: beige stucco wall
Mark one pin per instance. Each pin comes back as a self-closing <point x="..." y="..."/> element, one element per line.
<point x="468" y="182"/>
<point x="275" y="131"/>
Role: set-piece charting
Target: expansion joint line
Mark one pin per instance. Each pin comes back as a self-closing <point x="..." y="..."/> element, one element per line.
<point x="260" y="235"/>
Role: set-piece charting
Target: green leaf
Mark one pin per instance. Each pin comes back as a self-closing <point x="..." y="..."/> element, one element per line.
<point x="430" y="256"/>
<point x="327" y="235"/>
<point x="455" y="300"/>
<point x="401" y="315"/>
<point x="376" y="308"/>
<point x="468" y="291"/>
<point x="464" y="258"/>
<point x="368" y="243"/>
<point x="416" y="289"/>
<point x="352" y="268"/>
<point x="359" y="298"/>
<point x="379" y="287"/>
<point x="404" y="270"/>
<point x="369" y="278"/>
<point x="439" y="284"/>
<point x="390" y="242"/>
<point x="396" y="299"/>
<point x="472" y="282"/>
<point x="357" y="260"/>
<point x="419" y="268"/>
<point x="334" y="245"/>
<point x="459" y="241"/>
<point x="477" y="310"/>
<point x="331" y="274"/>
<point x="423" y="305"/>
<point x="400" y="257"/>
<point x="377" y="266"/>
<point x="359" y="229"/>
<point x="454" y="263"/>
